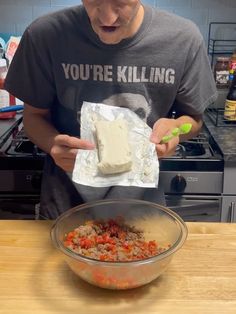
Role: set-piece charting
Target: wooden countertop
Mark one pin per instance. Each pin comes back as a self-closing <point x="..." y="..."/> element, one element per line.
<point x="200" y="279"/>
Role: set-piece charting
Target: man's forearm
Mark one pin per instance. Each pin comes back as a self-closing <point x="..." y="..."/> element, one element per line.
<point x="39" y="130"/>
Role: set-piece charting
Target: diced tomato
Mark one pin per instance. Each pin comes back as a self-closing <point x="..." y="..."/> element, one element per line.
<point x="152" y="245"/>
<point x="99" y="240"/>
<point x="105" y="237"/>
<point x="85" y="243"/>
<point x="70" y="235"/>
<point x="103" y="257"/>
<point x="125" y="245"/>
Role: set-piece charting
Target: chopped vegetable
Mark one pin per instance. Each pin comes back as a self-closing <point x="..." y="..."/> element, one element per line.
<point x="111" y="240"/>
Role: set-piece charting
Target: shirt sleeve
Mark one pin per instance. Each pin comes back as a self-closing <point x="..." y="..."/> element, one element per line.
<point x="197" y="88"/>
<point x="30" y="76"/>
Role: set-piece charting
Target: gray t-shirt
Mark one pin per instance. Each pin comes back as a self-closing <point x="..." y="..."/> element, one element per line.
<point x="61" y="62"/>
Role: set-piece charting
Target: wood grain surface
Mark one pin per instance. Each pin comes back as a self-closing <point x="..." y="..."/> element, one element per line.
<point x="34" y="279"/>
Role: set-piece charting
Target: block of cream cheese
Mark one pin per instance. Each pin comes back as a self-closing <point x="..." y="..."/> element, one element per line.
<point x="113" y="146"/>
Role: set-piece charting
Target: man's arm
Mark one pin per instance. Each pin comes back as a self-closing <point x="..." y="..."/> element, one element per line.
<point x="38" y="127"/>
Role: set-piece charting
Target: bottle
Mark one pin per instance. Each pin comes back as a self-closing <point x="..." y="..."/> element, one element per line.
<point x="3" y="71"/>
<point x="5" y="98"/>
<point x="221" y="72"/>
<point x="232" y="66"/>
<point x="230" y="103"/>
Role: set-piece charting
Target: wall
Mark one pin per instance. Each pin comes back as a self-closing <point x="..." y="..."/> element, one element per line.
<point x="15" y="15"/>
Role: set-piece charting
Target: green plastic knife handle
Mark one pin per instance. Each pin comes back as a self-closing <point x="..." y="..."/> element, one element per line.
<point x="166" y="138"/>
<point x="183" y="129"/>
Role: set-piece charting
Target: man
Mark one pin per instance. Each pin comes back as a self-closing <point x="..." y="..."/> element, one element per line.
<point x="116" y="52"/>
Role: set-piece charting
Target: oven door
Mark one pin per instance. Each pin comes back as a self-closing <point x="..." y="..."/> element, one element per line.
<point x="19" y="206"/>
<point x="196" y="207"/>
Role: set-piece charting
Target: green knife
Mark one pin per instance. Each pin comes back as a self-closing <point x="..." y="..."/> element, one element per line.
<point x="183" y="129"/>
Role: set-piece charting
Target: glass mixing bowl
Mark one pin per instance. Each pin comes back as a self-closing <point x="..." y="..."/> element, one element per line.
<point x="157" y="223"/>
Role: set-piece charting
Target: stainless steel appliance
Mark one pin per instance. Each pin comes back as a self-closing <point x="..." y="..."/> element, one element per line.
<point x="21" y="164"/>
<point x="192" y="178"/>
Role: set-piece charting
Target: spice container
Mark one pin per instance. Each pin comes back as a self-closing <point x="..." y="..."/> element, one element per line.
<point x="5" y="98"/>
<point x="232" y="66"/>
<point x="221" y="72"/>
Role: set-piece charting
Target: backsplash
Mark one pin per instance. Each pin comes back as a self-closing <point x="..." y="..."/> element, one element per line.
<point x="15" y="15"/>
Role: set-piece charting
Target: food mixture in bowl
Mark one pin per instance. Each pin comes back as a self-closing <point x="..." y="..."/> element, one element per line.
<point x="111" y="240"/>
<point x="118" y="243"/>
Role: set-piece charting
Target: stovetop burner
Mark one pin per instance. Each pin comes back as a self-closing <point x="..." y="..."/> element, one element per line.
<point x="22" y="146"/>
<point x="199" y="146"/>
<point x="189" y="149"/>
<point x="17" y="152"/>
<point x="196" y="147"/>
<point x="196" y="154"/>
<point x="201" y="153"/>
<point x="193" y="149"/>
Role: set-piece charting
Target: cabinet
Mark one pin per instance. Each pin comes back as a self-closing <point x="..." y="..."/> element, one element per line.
<point x="221" y="39"/>
<point x="228" y="212"/>
<point x="228" y="209"/>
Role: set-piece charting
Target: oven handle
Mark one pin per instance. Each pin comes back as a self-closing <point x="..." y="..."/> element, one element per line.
<point x="232" y="211"/>
<point x="187" y="206"/>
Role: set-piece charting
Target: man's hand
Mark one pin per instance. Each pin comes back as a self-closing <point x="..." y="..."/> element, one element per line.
<point x="65" y="148"/>
<point x="164" y="127"/>
<point x="62" y="148"/>
<point x="161" y="128"/>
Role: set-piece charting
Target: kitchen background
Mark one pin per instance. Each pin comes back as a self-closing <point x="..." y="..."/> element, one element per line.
<point x="15" y="15"/>
<point x="199" y="181"/>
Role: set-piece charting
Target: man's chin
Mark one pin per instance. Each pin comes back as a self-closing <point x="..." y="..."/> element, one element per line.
<point x="109" y="37"/>
<point x="110" y="40"/>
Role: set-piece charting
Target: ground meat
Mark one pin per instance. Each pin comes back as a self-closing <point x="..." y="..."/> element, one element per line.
<point x="111" y="240"/>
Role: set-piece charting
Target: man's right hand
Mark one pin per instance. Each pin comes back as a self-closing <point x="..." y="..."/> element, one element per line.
<point x="62" y="148"/>
<point x="65" y="149"/>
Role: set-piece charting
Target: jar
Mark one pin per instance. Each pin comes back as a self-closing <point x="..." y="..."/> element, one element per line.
<point x="221" y="71"/>
<point x="230" y="103"/>
<point x="5" y="97"/>
<point x="230" y="110"/>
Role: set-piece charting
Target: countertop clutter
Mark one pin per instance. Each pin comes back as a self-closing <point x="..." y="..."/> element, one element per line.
<point x="34" y="279"/>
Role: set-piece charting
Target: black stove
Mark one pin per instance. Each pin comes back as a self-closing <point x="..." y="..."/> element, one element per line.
<point x="21" y="162"/>
<point x="197" y="154"/>
<point x="22" y="150"/>
<point x="192" y="178"/>
<point x="18" y="153"/>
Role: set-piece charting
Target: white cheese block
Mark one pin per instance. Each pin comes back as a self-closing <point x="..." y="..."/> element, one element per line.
<point x="113" y="147"/>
